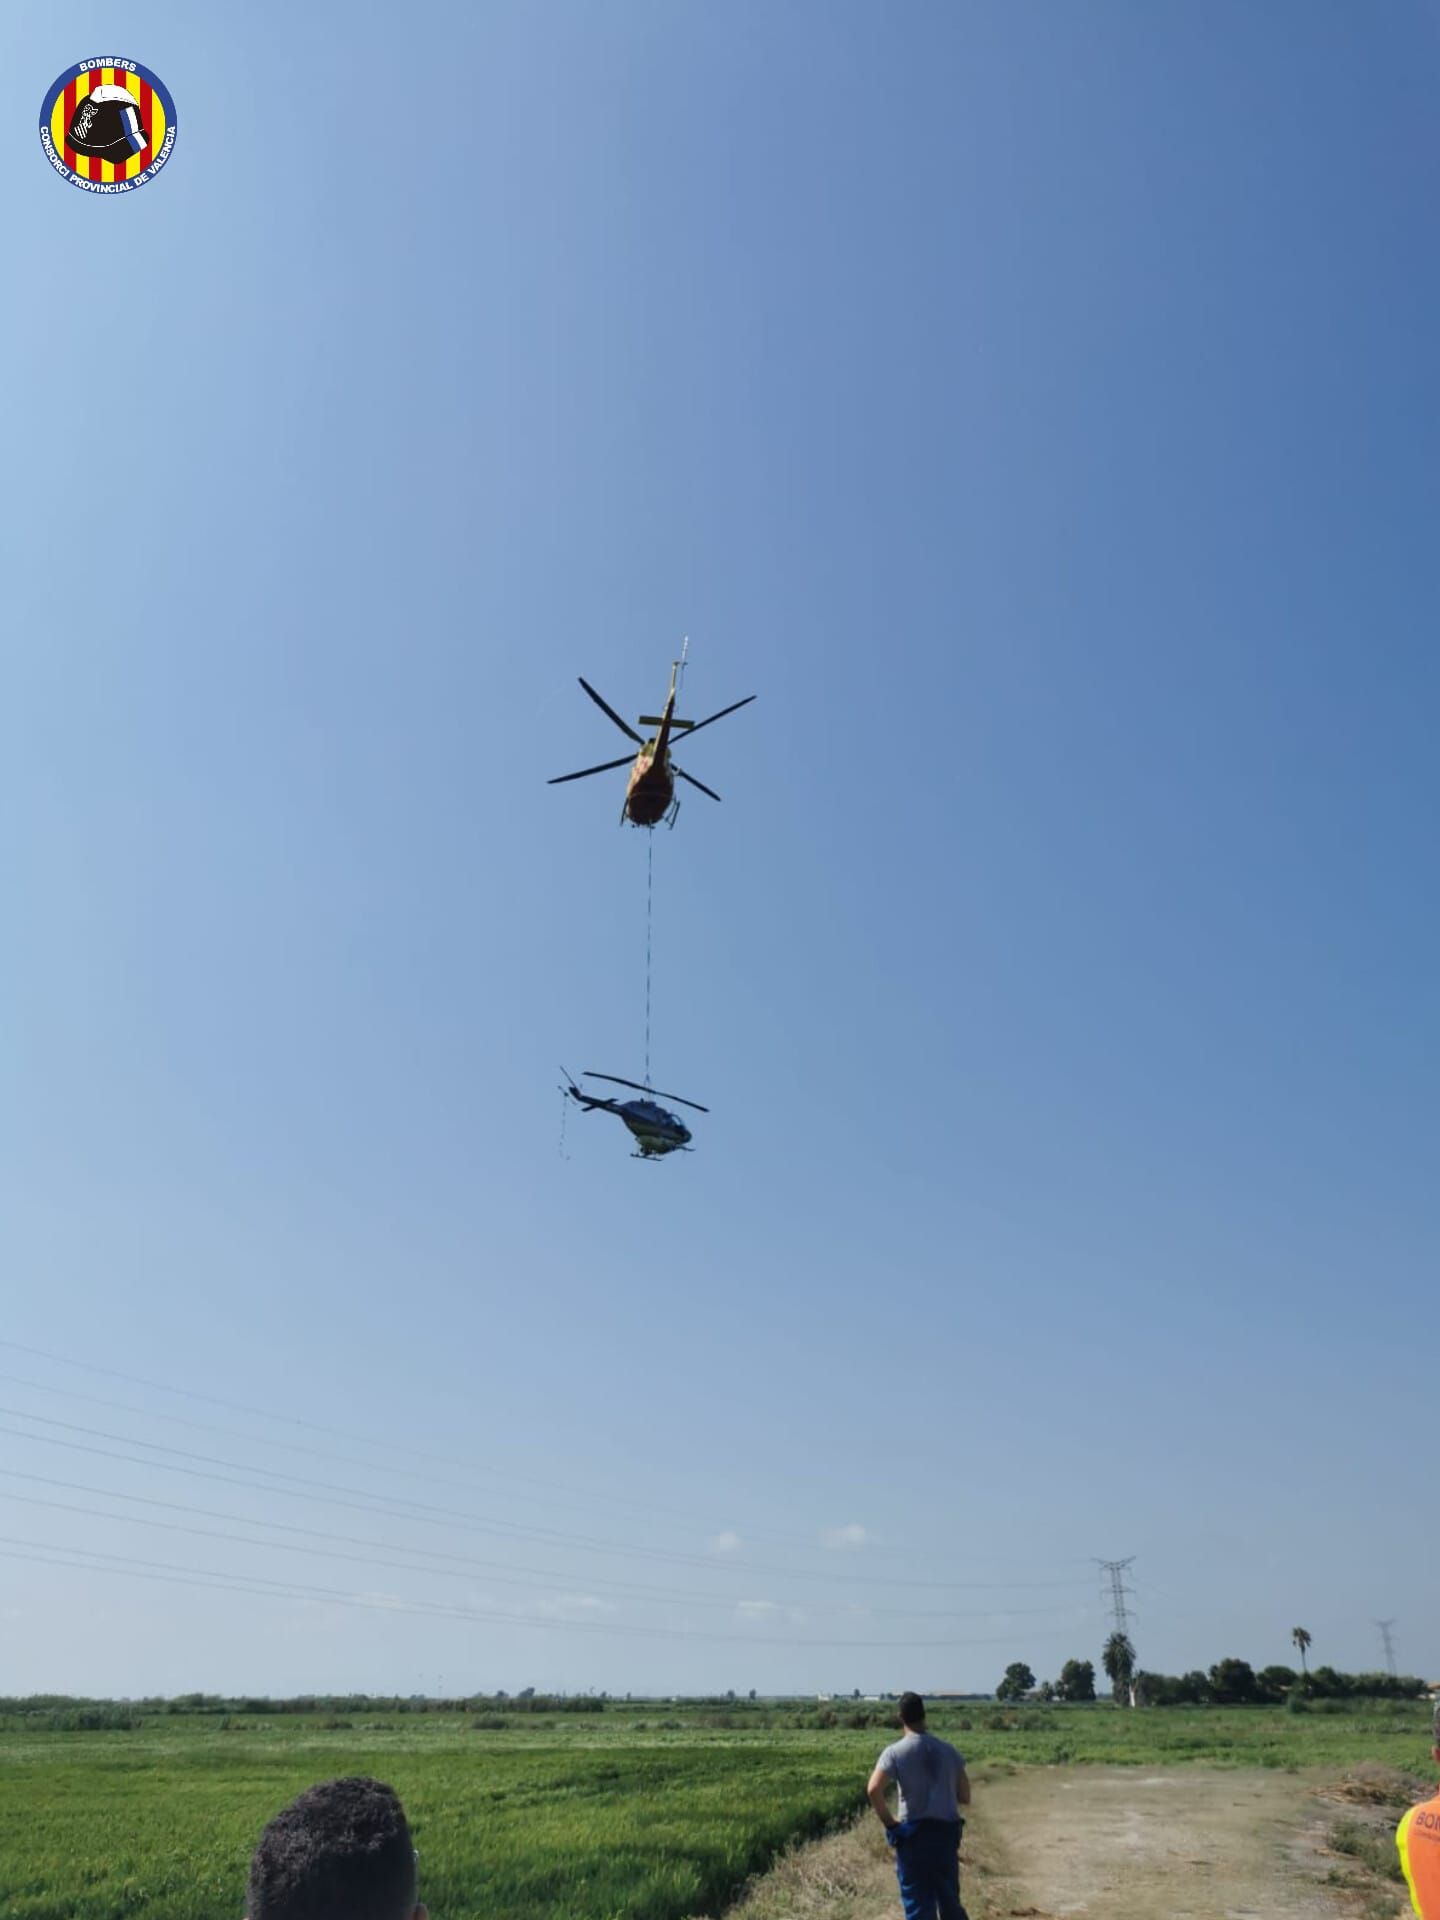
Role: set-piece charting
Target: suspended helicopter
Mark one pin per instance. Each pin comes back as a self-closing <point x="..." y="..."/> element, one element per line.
<point x="656" y="1131"/>
<point x="650" y="793"/>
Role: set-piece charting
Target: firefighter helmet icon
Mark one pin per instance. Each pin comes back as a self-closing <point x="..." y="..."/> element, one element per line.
<point x="107" y="124"/>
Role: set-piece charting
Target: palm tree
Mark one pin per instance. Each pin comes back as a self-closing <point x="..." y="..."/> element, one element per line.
<point x="1119" y="1659"/>
<point x="1302" y="1641"/>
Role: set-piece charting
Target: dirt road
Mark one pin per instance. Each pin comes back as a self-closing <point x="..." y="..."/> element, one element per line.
<point x="1107" y="1843"/>
<point x="1182" y="1844"/>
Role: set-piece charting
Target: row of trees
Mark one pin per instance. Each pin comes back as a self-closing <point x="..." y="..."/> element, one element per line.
<point x="1077" y="1677"/>
<point x="1235" y="1683"/>
<point x="1076" y="1682"/>
<point x="1228" y="1683"/>
<point x="527" y="1701"/>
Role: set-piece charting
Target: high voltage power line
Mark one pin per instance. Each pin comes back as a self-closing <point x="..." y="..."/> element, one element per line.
<point x="586" y="1498"/>
<point x="572" y="1499"/>
<point x="500" y="1574"/>
<point x="546" y="1588"/>
<point x="89" y="1560"/>
<point x="584" y="1495"/>
<point x="471" y="1523"/>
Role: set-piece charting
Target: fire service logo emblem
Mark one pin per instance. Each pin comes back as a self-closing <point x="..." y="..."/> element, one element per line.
<point x="107" y="125"/>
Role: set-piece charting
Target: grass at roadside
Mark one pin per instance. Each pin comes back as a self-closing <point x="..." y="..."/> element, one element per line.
<point x="1369" y="1801"/>
<point x="1331" y="1734"/>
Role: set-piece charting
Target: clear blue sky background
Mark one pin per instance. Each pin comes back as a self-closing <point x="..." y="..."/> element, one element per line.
<point x="1036" y="405"/>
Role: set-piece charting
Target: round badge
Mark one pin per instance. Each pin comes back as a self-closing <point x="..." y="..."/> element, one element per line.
<point x="108" y="125"/>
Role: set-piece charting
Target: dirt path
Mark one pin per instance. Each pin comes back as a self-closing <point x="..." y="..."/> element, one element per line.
<point x="1183" y="1844"/>
<point x="1103" y="1843"/>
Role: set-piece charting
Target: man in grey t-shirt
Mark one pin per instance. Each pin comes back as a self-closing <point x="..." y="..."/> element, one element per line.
<point x="932" y="1787"/>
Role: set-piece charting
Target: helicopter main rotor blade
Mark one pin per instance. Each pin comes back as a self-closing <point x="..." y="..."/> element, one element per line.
<point x="654" y="1094"/>
<point x="680" y="771"/>
<point x="606" y="708"/>
<point x="691" y="731"/>
<point x="585" y="772"/>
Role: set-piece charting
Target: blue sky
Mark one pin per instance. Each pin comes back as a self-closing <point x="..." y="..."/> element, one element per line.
<point x="1036" y="406"/>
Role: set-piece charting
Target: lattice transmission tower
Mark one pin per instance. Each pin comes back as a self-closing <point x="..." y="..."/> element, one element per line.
<point x="1387" y="1640"/>
<point x="1117" y="1593"/>
<point x="1115" y="1590"/>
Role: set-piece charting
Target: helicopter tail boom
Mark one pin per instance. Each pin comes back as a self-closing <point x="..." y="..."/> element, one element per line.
<point x="665" y="724"/>
<point x="587" y="1100"/>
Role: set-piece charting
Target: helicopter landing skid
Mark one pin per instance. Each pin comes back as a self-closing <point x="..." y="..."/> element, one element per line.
<point x="668" y="818"/>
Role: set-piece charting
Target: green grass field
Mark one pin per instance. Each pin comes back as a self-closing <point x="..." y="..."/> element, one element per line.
<point x="652" y="1814"/>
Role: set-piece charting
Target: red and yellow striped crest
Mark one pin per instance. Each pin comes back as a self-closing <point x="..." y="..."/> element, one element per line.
<point x="108" y="125"/>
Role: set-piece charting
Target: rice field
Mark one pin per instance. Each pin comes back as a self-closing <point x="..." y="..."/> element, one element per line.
<point x="161" y="1822"/>
<point x="654" y="1813"/>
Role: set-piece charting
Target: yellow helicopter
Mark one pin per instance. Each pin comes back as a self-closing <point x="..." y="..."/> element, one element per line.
<point x="650" y="793"/>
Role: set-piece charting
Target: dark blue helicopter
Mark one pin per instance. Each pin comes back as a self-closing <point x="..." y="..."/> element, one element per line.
<point x="656" y="1131"/>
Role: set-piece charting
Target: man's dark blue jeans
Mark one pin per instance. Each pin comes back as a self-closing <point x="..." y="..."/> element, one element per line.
<point x="927" y="1865"/>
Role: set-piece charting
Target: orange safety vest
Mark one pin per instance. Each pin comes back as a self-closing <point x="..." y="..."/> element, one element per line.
<point x="1418" y="1839"/>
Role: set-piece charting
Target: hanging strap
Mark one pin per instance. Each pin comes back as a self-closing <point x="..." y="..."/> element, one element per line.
<point x="649" y="929"/>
